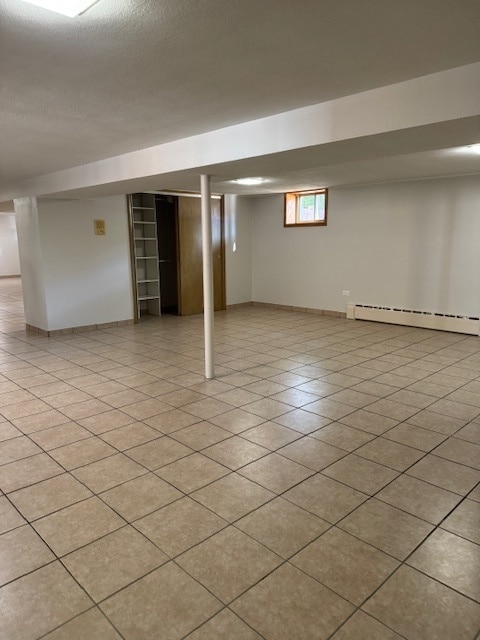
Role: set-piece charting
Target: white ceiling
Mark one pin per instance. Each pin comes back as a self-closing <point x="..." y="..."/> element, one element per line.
<point x="130" y="74"/>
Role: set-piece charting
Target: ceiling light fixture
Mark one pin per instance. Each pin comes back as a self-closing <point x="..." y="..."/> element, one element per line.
<point x="249" y="182"/>
<point x="473" y="149"/>
<point x="70" y="8"/>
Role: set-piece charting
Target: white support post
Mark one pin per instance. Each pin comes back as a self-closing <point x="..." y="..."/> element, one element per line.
<point x="207" y="275"/>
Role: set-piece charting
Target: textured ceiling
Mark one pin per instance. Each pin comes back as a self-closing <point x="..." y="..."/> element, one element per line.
<point x="130" y="74"/>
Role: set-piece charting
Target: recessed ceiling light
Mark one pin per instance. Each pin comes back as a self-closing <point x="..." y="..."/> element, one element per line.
<point x="249" y="182"/>
<point x="70" y="8"/>
<point x="473" y="149"/>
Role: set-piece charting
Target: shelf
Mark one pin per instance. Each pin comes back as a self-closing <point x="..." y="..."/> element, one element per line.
<point x="144" y="238"/>
<point x="144" y="208"/>
<point x="146" y="281"/>
<point x="143" y="222"/>
<point x="146" y="258"/>
<point x="142" y="298"/>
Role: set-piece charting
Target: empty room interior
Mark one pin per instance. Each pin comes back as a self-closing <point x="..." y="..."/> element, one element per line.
<point x="240" y="320"/>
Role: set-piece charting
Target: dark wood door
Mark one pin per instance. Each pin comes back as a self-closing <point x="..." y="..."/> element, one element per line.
<point x="190" y="255"/>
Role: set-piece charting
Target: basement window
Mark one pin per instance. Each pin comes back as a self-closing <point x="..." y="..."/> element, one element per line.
<point x="306" y="208"/>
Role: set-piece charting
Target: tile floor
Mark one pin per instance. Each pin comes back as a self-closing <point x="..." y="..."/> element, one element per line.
<point x="323" y="486"/>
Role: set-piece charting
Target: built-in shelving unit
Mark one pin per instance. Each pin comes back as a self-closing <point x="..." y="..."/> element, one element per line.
<point x="145" y="253"/>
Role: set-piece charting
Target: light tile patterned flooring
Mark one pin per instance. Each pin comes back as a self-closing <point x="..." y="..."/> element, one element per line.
<point x="324" y="485"/>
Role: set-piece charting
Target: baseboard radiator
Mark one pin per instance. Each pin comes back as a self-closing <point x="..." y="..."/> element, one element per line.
<point x="411" y="318"/>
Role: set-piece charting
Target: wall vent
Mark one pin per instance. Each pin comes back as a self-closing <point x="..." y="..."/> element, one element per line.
<point x="415" y="318"/>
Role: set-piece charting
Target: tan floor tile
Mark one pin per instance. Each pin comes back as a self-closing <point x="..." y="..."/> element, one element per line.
<point x="60" y="400"/>
<point x="51" y="388"/>
<point x="131" y="435"/>
<point x="200" y="435"/>
<point x="105" y="388"/>
<point x="465" y="521"/>
<point x="27" y="472"/>
<point x="192" y="472"/>
<point x="436" y="422"/>
<point x="325" y="497"/>
<point x="451" y="560"/>
<point x="48" y="496"/>
<point x="276" y="473"/>
<point x="387" y="528"/>
<point x="312" y="453"/>
<point x="237" y="397"/>
<point x="16" y="449"/>
<point x="391" y="454"/>
<point x="346" y="565"/>
<point x="302" y="421"/>
<point x="21" y="551"/>
<point x="341" y="436"/>
<point x="282" y="526"/>
<point x="39" y="602"/>
<point x="369" y="422"/>
<point x="83" y="452"/>
<point x="237" y="420"/>
<point x="456" y="450"/>
<point x="419" y="498"/>
<point x="86" y="626"/>
<point x="470" y="433"/>
<point x="77" y="525"/>
<point x="9" y="516"/>
<point x="105" y="421"/>
<point x="412" y="398"/>
<point x="329" y="408"/>
<point x="264" y="387"/>
<point x="294" y="397"/>
<point x="224" y="625"/>
<point x="391" y="409"/>
<point x="158" y="453"/>
<point x="60" y="435"/>
<point x="361" y="626"/>
<point x="353" y="398"/>
<point x="172" y="421"/>
<point x="267" y="408"/>
<point x="207" y="408"/>
<point x="455" y="409"/>
<point x="235" y="452"/>
<point x="361" y="474"/>
<point x="122" y="398"/>
<point x="108" y="473"/>
<point x="181" y="397"/>
<point x="113" y="562"/>
<point x="373" y="388"/>
<point x="137" y="498"/>
<point x="166" y="604"/>
<point x="415" y="437"/>
<point x="446" y="474"/>
<point x="23" y="409"/>
<point x="145" y="409"/>
<point x="232" y="497"/>
<point x="416" y="606"/>
<point x="271" y="435"/>
<point x="289" y="604"/>
<point x="8" y="431"/>
<point x="170" y="528"/>
<point x="228" y="563"/>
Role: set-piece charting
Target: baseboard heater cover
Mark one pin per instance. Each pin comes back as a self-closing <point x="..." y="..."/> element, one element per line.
<point x="413" y="318"/>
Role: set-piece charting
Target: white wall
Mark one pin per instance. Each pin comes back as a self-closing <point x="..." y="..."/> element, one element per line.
<point x="238" y="249"/>
<point x="81" y="278"/>
<point x="9" y="258"/>
<point x="414" y="245"/>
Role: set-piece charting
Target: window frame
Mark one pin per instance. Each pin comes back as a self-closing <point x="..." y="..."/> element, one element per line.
<point x="297" y="195"/>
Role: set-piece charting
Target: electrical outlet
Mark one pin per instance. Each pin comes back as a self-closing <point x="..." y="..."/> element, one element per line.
<point x="346" y="292"/>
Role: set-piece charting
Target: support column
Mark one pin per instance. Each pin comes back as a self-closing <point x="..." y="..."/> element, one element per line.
<point x="208" y="302"/>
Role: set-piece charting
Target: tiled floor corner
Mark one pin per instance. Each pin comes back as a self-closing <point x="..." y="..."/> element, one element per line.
<point x="324" y="486"/>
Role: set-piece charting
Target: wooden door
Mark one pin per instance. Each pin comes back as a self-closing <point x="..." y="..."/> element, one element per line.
<point x="190" y="255"/>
